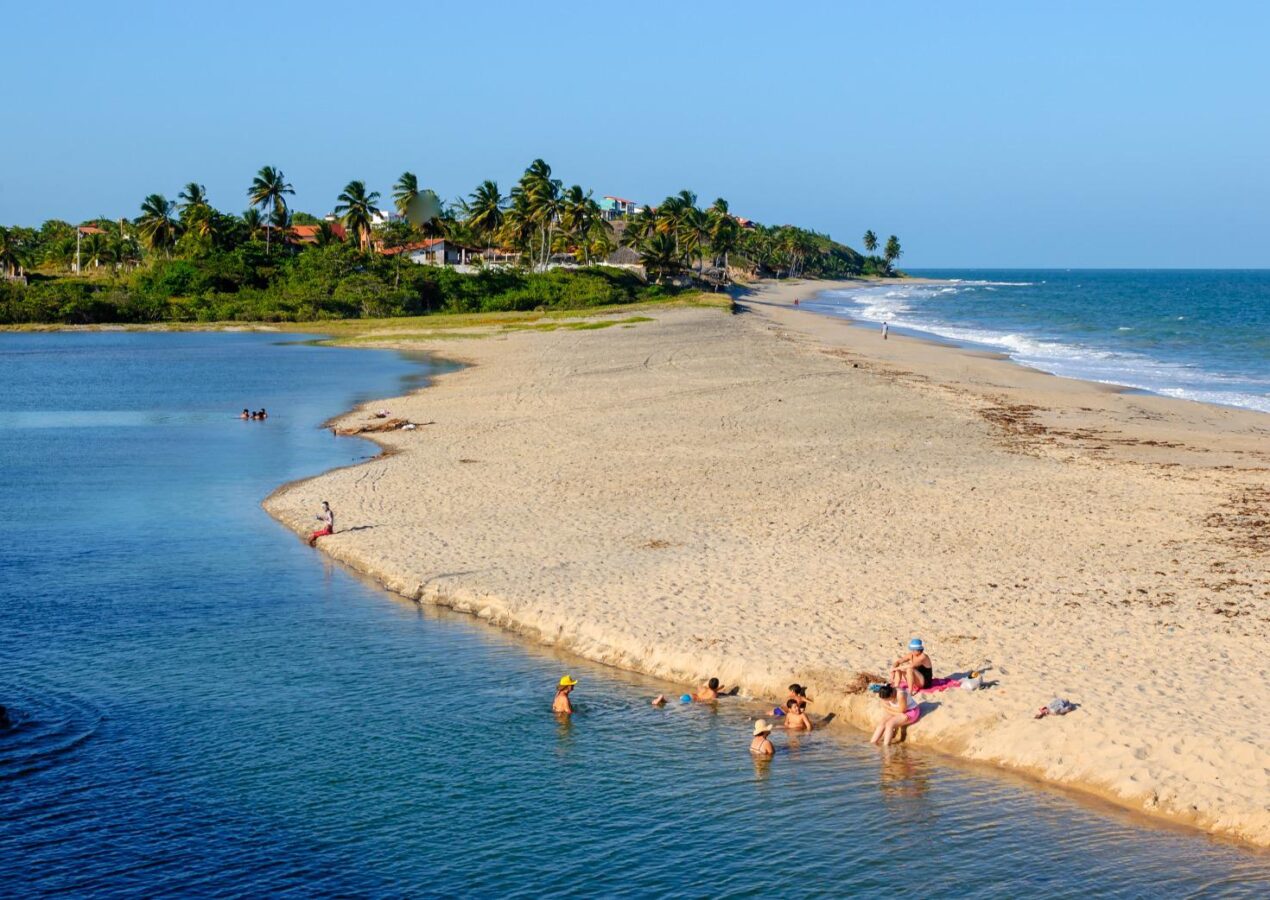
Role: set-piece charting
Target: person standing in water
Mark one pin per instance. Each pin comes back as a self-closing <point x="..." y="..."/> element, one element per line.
<point x="327" y="518"/>
<point x="562" y="705"/>
<point x="761" y="745"/>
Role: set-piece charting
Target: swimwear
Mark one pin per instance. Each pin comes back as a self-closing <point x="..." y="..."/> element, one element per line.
<point x="913" y="715"/>
<point x="926" y="673"/>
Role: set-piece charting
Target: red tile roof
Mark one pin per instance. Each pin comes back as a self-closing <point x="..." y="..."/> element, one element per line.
<point x="410" y="248"/>
<point x="91" y="229"/>
<point x="619" y="199"/>
<point x="307" y="234"/>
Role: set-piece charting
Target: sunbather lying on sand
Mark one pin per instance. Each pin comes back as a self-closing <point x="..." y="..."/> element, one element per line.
<point x="913" y="669"/>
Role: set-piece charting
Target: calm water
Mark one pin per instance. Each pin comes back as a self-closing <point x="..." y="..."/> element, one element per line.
<point x="209" y="709"/>
<point x="1201" y="335"/>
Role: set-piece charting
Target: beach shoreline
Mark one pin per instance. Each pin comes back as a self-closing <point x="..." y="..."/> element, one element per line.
<point x="684" y="498"/>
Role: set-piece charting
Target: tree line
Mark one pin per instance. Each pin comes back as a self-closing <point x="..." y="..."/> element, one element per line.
<point x="184" y="259"/>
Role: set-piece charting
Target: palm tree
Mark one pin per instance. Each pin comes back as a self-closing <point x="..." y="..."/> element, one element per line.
<point x="584" y="224"/>
<point x="158" y="223"/>
<point x="537" y="198"/>
<point x="892" y="251"/>
<point x="724" y="231"/>
<point x="193" y="199"/>
<point x="660" y="256"/>
<point x="405" y="193"/>
<point x="870" y="241"/>
<point x="357" y="210"/>
<point x="268" y="191"/>
<point x="12" y="253"/>
<point x="254" y="221"/>
<point x="693" y="232"/>
<point x="485" y="211"/>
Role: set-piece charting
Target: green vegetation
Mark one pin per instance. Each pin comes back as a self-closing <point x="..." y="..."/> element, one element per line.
<point x="184" y="261"/>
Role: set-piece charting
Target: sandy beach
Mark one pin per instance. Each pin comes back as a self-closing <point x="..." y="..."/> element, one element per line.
<point x="776" y="496"/>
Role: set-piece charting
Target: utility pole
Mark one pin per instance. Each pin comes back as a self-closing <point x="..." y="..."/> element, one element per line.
<point x="79" y="234"/>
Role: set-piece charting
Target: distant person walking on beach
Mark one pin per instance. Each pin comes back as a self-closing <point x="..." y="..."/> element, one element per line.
<point x="561" y="705"/>
<point x="327" y="518"/>
<point x="886" y="330"/>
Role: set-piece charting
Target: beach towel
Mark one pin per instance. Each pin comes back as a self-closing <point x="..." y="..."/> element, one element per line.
<point x="939" y="684"/>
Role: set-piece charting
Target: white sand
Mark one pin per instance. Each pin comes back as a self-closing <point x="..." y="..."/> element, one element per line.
<point x="778" y="496"/>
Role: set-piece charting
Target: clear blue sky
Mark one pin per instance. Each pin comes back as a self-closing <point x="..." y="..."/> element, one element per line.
<point x="982" y="133"/>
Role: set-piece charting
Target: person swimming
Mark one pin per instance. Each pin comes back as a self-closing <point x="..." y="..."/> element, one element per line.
<point x="246" y="414"/>
<point x="799" y="693"/>
<point x="761" y="744"/>
<point x="898" y="711"/>
<point x="796" y="718"/>
<point x="263" y="414"/>
<point x="562" y="705"/>
<point x="913" y="669"/>
<point x="709" y="691"/>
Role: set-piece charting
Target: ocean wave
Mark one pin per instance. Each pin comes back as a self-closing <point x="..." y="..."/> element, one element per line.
<point x="901" y="307"/>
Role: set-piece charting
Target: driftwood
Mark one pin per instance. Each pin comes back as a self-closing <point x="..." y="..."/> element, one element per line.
<point x="378" y="425"/>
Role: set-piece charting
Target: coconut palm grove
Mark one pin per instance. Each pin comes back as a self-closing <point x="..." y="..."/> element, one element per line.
<point x="406" y="252"/>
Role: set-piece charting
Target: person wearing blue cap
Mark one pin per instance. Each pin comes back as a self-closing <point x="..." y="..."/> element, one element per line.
<point x="913" y="669"/>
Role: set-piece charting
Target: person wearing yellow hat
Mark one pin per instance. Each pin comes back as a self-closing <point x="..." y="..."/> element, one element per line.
<point x="561" y="704"/>
<point x="761" y="744"/>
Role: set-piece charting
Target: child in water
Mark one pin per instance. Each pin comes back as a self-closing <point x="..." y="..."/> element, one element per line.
<point x="562" y="705"/>
<point x="709" y="691"/>
<point x="898" y="711"/>
<point x="761" y="745"/>
<point x="796" y="718"/>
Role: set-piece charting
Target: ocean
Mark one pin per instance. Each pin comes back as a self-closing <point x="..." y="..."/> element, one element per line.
<point x="1198" y="335"/>
<point x="205" y="707"/>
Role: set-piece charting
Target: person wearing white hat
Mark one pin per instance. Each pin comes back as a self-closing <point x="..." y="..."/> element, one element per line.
<point x="561" y="705"/>
<point x="762" y="744"/>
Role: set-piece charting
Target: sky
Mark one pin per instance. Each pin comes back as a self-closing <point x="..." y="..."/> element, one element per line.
<point x="983" y="134"/>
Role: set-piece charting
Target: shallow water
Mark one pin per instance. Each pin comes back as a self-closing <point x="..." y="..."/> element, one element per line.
<point x="208" y="708"/>
<point x="1194" y="334"/>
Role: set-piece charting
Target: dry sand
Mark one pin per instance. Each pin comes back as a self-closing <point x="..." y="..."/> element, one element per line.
<point x="776" y="496"/>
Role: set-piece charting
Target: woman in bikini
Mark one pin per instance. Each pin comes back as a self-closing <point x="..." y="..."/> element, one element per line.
<point x="913" y="669"/>
<point x="562" y="706"/>
<point x="898" y="711"/>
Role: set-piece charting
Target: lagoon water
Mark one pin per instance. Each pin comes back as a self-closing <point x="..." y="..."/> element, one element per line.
<point x="206" y="707"/>
<point x="1198" y="335"/>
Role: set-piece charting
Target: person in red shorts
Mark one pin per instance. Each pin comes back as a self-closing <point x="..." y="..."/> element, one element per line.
<point x="328" y="524"/>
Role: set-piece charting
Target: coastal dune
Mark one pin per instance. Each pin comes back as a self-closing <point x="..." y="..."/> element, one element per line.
<point x="776" y="496"/>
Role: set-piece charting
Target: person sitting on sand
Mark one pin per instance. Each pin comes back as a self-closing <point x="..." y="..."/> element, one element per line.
<point x="327" y="518"/>
<point x="562" y="705"/>
<point x="898" y="711"/>
<point x="913" y="669"/>
<point x="709" y="691"/>
<point x="796" y="718"/>
<point x="761" y="745"/>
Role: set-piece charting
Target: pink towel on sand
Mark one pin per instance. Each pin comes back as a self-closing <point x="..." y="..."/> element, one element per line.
<point x="940" y="684"/>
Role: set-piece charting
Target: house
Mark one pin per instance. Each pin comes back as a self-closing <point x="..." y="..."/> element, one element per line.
<point x="91" y="229"/>
<point x="308" y="234"/>
<point x="433" y="252"/>
<point x="617" y="207"/>
<point x="743" y="222"/>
